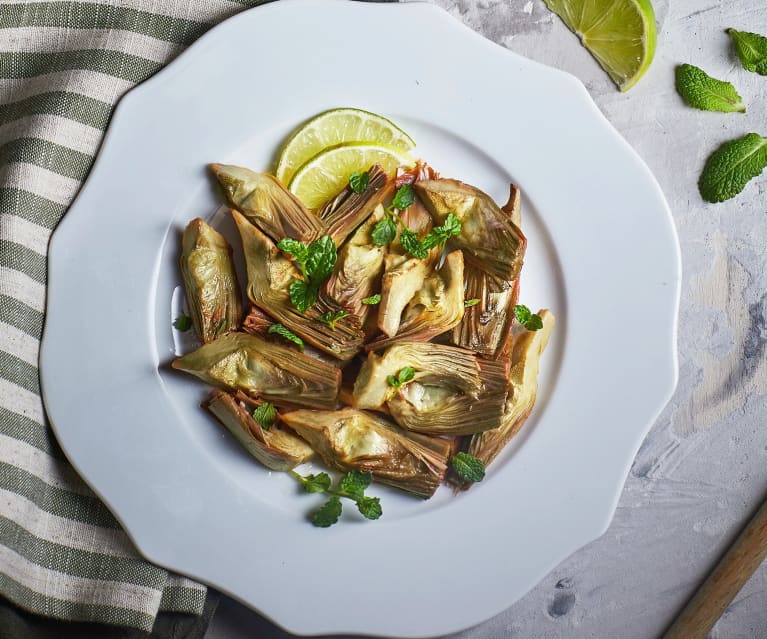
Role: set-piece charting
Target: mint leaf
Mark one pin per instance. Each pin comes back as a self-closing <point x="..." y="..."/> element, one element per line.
<point x="355" y="482"/>
<point x="331" y="317"/>
<point x="535" y="323"/>
<point x="314" y="483"/>
<point x="370" y="507"/>
<point x="468" y="467"/>
<point x="752" y="50"/>
<point x="701" y="91"/>
<point x="372" y="300"/>
<point x="358" y="182"/>
<point x="392" y="381"/>
<point x="384" y="231"/>
<point x="328" y="514"/>
<point x="321" y="260"/>
<point x="265" y="414"/>
<point x="406" y="375"/>
<point x="522" y="313"/>
<point x="472" y="302"/>
<point x="183" y="322"/>
<point x="296" y="249"/>
<point x="302" y="295"/>
<point x="404" y="197"/>
<point x="286" y="333"/>
<point x="731" y="166"/>
<point x="451" y="227"/>
<point x="412" y="244"/>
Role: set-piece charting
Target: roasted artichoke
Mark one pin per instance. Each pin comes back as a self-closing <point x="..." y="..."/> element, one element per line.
<point x="275" y="448"/>
<point x="491" y="241"/>
<point x="211" y="286"/>
<point x="275" y="373"/>
<point x="266" y="203"/>
<point x="351" y="439"/>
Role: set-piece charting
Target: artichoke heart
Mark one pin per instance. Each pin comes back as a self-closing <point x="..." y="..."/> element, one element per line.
<point x="210" y="281"/>
<point x="486" y="326"/>
<point x="275" y="373"/>
<point x="523" y="388"/>
<point x="453" y="392"/>
<point x="275" y="448"/>
<point x="358" y="270"/>
<point x="350" y="439"/>
<point x="402" y="279"/>
<point x="435" y="308"/>
<point x="266" y="203"/>
<point x="345" y="212"/>
<point x="269" y="276"/>
<point x="492" y="242"/>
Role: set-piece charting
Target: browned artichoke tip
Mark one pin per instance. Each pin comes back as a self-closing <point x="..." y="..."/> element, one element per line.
<point x="486" y="326"/>
<point x="212" y="293"/>
<point x="350" y="439"/>
<point x="435" y="308"/>
<point x="257" y="322"/>
<point x="275" y="448"/>
<point x="262" y="199"/>
<point x="269" y="276"/>
<point x="523" y="388"/>
<point x="490" y="239"/>
<point x="358" y="270"/>
<point x="345" y="212"/>
<point x="270" y="371"/>
<point x="513" y="208"/>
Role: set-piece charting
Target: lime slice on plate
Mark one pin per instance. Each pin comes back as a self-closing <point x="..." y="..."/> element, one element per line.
<point x="620" y="34"/>
<point x="334" y="127"/>
<point x="328" y="172"/>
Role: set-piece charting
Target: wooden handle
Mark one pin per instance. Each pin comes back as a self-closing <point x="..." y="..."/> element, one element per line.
<point x="725" y="581"/>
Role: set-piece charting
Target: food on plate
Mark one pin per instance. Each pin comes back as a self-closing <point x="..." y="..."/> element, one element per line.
<point x="210" y="282"/>
<point x="384" y="332"/>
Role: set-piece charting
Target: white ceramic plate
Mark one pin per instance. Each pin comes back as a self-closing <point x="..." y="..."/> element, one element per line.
<point x="603" y="256"/>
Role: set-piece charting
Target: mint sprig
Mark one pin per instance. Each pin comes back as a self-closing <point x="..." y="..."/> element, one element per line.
<point x="286" y="333"/>
<point x="358" y="182"/>
<point x="732" y="166"/>
<point x="183" y="322"/>
<point x="468" y="467"/>
<point x="351" y="486"/>
<point x="265" y="414"/>
<point x="404" y="376"/>
<point x="531" y="321"/>
<point x="701" y="91"/>
<point x="316" y="261"/>
<point x="752" y="50"/>
<point x="372" y="300"/>
<point x="331" y="317"/>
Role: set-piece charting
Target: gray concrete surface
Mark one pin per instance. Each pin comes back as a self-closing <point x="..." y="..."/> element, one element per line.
<point x="703" y="468"/>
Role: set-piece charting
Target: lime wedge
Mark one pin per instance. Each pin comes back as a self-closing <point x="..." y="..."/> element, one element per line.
<point x="334" y="127"/>
<point x="620" y="34"/>
<point x="328" y="172"/>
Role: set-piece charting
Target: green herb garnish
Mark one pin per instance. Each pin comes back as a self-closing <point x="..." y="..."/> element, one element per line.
<point x="403" y="377"/>
<point x="731" y="166"/>
<point x="316" y="262"/>
<point x="531" y="321"/>
<point x="752" y="50"/>
<point x="286" y="333"/>
<point x="472" y="302"/>
<point x="468" y="467"/>
<point x="351" y="486"/>
<point x="265" y="414"/>
<point x="372" y="300"/>
<point x="438" y="236"/>
<point x="331" y="317"/>
<point x="183" y="322"/>
<point x="358" y="182"/>
<point x="384" y="231"/>
<point x="404" y="197"/>
<point x="701" y="91"/>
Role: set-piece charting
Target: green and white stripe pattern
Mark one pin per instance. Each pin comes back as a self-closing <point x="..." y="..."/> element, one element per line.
<point x="63" y="66"/>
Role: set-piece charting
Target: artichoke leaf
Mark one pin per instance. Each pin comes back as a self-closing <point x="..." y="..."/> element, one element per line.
<point x="270" y="273"/>
<point x="276" y="448"/>
<point x="350" y="439"/>
<point x="345" y="212"/>
<point x="358" y="270"/>
<point x="210" y="281"/>
<point x="523" y="388"/>
<point x="275" y="373"/>
<point x="488" y="237"/>
<point x="435" y="308"/>
<point x="262" y="199"/>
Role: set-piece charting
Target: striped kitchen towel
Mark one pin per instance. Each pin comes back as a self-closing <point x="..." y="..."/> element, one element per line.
<point x="63" y="66"/>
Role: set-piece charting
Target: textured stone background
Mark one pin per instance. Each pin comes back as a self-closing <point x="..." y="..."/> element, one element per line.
<point x="703" y="468"/>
